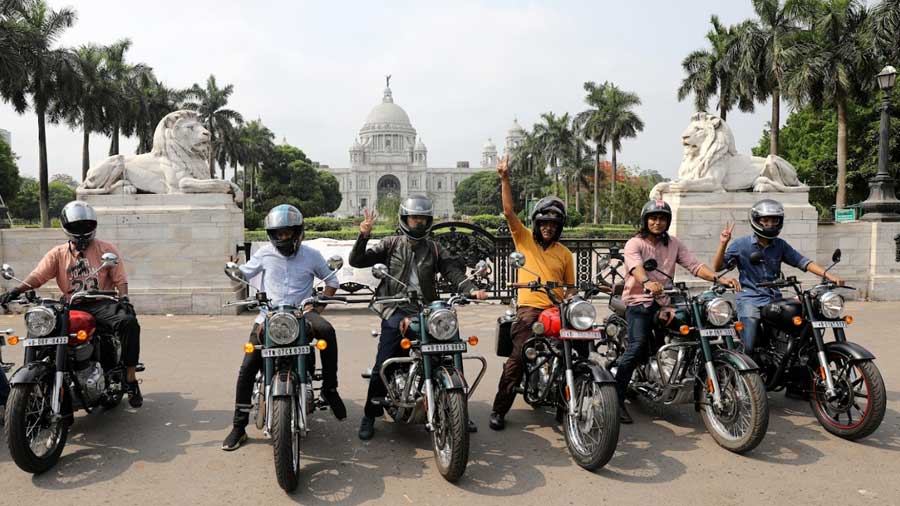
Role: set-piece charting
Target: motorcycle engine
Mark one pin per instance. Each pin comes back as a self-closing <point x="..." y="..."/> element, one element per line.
<point x="92" y="382"/>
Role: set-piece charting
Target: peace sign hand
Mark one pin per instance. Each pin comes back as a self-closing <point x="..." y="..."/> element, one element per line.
<point x="503" y="167"/>
<point x="365" y="226"/>
<point x="725" y="236"/>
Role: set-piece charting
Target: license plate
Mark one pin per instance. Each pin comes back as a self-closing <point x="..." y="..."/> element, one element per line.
<point x="45" y="341"/>
<point x="285" y="352"/>
<point x="581" y="334"/>
<point x="444" y="348"/>
<point x="839" y="324"/>
<point x="717" y="332"/>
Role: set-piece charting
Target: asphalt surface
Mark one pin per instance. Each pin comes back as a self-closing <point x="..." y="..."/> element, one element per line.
<point x="169" y="451"/>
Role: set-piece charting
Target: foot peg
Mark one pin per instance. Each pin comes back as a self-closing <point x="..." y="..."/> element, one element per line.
<point x="139" y="368"/>
<point x="382" y="401"/>
<point x="367" y="374"/>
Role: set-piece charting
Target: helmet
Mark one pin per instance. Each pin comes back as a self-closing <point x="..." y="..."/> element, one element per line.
<point x="655" y="207"/>
<point x="416" y="205"/>
<point x="766" y="208"/>
<point x="550" y="209"/>
<point x="283" y="217"/>
<point x="79" y="222"/>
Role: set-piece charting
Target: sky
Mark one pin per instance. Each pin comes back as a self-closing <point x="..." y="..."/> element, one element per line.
<point x="462" y="70"/>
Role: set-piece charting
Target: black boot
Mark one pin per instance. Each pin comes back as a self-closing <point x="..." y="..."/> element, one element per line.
<point x="497" y="422"/>
<point x="624" y="417"/>
<point x="366" y="428"/>
<point x="471" y="428"/>
<point x="135" y="399"/>
<point x="235" y="439"/>
<point x="335" y="402"/>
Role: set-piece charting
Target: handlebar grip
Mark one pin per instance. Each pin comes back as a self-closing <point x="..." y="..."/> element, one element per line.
<point x="519" y="285"/>
<point x="335" y="298"/>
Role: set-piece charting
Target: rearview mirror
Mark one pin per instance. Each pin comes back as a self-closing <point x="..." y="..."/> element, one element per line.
<point x="482" y="268"/>
<point x="517" y="259"/>
<point x="836" y="257"/>
<point x="650" y="265"/>
<point x="756" y="258"/>
<point x="8" y="272"/>
<point x="234" y="272"/>
<point x="335" y="262"/>
<point x="602" y="262"/>
<point x="109" y="260"/>
<point x="380" y="271"/>
<point x="731" y="264"/>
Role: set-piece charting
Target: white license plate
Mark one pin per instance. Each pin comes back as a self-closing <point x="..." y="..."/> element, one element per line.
<point x="717" y="332"/>
<point x="45" y="341"/>
<point x="581" y="334"/>
<point x="839" y="324"/>
<point x="444" y="348"/>
<point x="285" y="352"/>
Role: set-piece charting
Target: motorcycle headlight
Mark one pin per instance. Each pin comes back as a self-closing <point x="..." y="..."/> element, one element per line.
<point x="719" y="312"/>
<point x="831" y="305"/>
<point x="581" y="315"/>
<point x="442" y="324"/>
<point x="283" y="328"/>
<point x="613" y="329"/>
<point x="40" y="321"/>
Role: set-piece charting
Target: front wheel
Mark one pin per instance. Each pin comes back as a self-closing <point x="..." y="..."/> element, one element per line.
<point x="592" y="433"/>
<point x="450" y="437"/>
<point x="740" y="423"/>
<point x="858" y="406"/>
<point x="286" y="442"/>
<point x="35" y="441"/>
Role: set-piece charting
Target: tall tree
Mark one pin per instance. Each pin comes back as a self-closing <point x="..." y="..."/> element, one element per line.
<point x="557" y="142"/>
<point x="590" y="124"/>
<point x="258" y="142"/>
<point x="87" y="110"/>
<point x="886" y="29"/>
<point x="153" y="100"/>
<point x="13" y="70"/>
<point x="210" y="102"/>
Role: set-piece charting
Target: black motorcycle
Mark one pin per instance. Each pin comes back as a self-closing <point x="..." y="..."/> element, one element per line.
<point x="70" y="364"/>
<point x="840" y="378"/>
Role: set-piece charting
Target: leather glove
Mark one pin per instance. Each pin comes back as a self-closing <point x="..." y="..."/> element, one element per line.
<point x="9" y="296"/>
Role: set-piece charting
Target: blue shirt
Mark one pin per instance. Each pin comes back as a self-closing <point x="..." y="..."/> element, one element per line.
<point x="774" y="254"/>
<point x="287" y="280"/>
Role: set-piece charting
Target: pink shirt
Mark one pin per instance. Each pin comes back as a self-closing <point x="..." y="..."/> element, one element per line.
<point x="72" y="273"/>
<point x="637" y="250"/>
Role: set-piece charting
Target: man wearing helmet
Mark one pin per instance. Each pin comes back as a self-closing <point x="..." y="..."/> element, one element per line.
<point x="766" y="219"/>
<point x="549" y="259"/>
<point x="289" y="269"/>
<point x="643" y="292"/>
<point x="72" y="265"/>
<point x="415" y="260"/>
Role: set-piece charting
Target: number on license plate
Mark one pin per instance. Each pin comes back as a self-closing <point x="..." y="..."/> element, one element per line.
<point x="591" y="335"/>
<point x="285" y="352"/>
<point x="717" y="332"/>
<point x="443" y="348"/>
<point x="830" y="324"/>
<point x="46" y="341"/>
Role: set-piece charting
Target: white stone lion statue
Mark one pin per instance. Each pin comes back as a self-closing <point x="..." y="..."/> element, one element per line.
<point x="711" y="163"/>
<point x="176" y="164"/>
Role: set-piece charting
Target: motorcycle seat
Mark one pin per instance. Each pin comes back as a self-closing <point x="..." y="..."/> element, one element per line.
<point x="617" y="305"/>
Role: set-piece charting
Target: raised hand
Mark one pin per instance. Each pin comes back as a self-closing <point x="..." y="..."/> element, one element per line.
<point x="503" y="167"/>
<point x="365" y="226"/>
<point x="725" y="235"/>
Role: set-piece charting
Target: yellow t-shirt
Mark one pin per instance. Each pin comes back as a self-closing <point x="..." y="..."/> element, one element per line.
<point x="552" y="264"/>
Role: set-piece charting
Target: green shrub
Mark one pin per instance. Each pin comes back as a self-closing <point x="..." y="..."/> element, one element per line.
<point x="574" y="218"/>
<point x="489" y="222"/>
<point x="321" y="223"/>
<point x="254" y="219"/>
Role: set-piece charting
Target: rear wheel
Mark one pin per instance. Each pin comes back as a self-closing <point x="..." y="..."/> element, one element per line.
<point x="860" y="401"/>
<point x="286" y="443"/>
<point x="740" y="423"/>
<point x="592" y="433"/>
<point x="35" y="441"/>
<point x="450" y="437"/>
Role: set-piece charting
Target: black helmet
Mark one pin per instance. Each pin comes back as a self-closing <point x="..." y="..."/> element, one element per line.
<point x="550" y="209"/>
<point x="283" y="217"/>
<point x="79" y="222"/>
<point x="416" y="205"/>
<point x="766" y="208"/>
<point x="655" y="207"/>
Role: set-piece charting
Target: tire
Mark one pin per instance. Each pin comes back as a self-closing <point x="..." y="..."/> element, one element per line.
<point x="286" y="443"/>
<point x="742" y="422"/>
<point x="27" y="405"/>
<point x="593" y="433"/>
<point x="849" y="378"/>
<point x="450" y="439"/>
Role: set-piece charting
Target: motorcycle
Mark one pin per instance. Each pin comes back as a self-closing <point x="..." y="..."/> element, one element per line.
<point x="69" y="365"/>
<point x="845" y="388"/>
<point x="689" y="365"/>
<point x="283" y="391"/>
<point x="428" y="387"/>
<point x="560" y="372"/>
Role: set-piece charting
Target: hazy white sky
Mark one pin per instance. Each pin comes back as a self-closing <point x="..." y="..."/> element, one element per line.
<point x="462" y="70"/>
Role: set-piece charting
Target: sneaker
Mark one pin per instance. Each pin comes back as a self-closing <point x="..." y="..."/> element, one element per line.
<point x="235" y="439"/>
<point x="366" y="428"/>
<point x="624" y="416"/>
<point x="135" y="399"/>
<point x="471" y="428"/>
<point x="335" y="402"/>
<point x="497" y="422"/>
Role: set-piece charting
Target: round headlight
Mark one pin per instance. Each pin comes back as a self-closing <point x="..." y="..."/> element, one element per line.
<point x="581" y="315"/>
<point x="442" y="324"/>
<point x="40" y="321"/>
<point x="283" y="328"/>
<point x="719" y="312"/>
<point x="538" y="328"/>
<point x="612" y="329"/>
<point x="831" y="304"/>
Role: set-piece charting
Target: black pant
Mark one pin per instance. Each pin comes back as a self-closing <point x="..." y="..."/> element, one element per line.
<point x="640" y="331"/>
<point x="118" y="319"/>
<point x="514" y="367"/>
<point x="252" y="363"/>
<point x="388" y="347"/>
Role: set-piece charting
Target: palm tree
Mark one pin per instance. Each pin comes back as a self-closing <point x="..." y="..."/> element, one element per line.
<point x="590" y="125"/>
<point x="831" y="63"/>
<point x="93" y="97"/>
<point x="210" y="102"/>
<point x="713" y="72"/>
<point x="127" y="82"/>
<point x="13" y="72"/>
<point x="258" y="142"/>
<point x="557" y="142"/>
<point x="151" y="101"/>
<point x="886" y="29"/>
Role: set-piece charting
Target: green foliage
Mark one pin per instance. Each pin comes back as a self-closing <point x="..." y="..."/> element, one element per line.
<point x="288" y="177"/>
<point x="478" y="194"/>
<point x="254" y="219"/>
<point x="24" y="207"/>
<point x="388" y="208"/>
<point x="9" y="173"/>
<point x="574" y="218"/>
<point x="321" y="223"/>
<point x="489" y="222"/>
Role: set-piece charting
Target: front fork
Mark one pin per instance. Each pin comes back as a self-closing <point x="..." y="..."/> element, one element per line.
<point x="570" y="378"/>
<point x="58" y="380"/>
<point x="824" y="370"/>
<point x="712" y="380"/>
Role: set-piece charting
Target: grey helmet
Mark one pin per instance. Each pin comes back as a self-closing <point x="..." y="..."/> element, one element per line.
<point x="79" y="222"/>
<point x="766" y="208"/>
<point x="550" y="209"/>
<point x="282" y="217"/>
<point x="416" y="205"/>
<point x="655" y="206"/>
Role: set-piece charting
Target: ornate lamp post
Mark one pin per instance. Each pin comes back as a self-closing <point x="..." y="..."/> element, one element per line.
<point x="882" y="204"/>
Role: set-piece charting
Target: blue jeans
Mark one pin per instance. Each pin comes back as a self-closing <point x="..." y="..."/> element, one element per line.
<point x="388" y="347"/>
<point x="749" y="316"/>
<point x="640" y="331"/>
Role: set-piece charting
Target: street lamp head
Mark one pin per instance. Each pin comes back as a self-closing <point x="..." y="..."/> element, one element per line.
<point x="886" y="78"/>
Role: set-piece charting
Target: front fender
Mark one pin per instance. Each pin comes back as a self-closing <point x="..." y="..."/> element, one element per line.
<point x="283" y="384"/>
<point x="600" y="374"/>
<point x="852" y="350"/>
<point x="450" y="378"/>
<point x="33" y="373"/>
<point x="740" y="361"/>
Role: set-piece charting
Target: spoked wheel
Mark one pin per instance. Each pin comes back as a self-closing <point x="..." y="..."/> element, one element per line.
<point x="35" y="441"/>
<point x="286" y="443"/>
<point x="858" y="407"/>
<point x="740" y="424"/>
<point x="450" y="438"/>
<point x="593" y="432"/>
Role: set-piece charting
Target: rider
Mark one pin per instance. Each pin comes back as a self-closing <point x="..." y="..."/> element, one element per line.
<point x="550" y="260"/>
<point x="643" y="292"/>
<point x="289" y="269"/>
<point x="766" y="219"/>
<point x="399" y="252"/>
<point x="71" y="264"/>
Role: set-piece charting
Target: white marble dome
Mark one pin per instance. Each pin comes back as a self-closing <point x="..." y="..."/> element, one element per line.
<point x="387" y="117"/>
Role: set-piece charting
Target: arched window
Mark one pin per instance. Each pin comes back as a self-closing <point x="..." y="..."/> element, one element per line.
<point x="439" y="185"/>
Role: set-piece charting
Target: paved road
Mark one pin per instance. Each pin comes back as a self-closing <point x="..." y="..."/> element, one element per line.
<point x="169" y="452"/>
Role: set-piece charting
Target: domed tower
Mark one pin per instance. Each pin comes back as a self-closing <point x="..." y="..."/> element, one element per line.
<point x="514" y="137"/>
<point x="489" y="155"/>
<point x="357" y="155"/>
<point x="387" y="135"/>
<point x="420" y="153"/>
